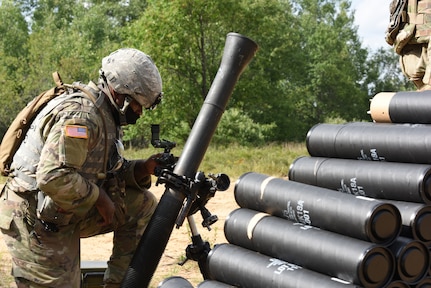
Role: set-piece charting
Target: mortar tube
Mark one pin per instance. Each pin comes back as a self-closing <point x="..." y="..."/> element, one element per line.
<point x="238" y="52"/>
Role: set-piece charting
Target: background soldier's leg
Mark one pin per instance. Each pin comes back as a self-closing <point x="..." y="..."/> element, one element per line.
<point x="412" y="64"/>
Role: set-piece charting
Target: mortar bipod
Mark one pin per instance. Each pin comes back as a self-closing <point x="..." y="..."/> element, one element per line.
<point x="197" y="191"/>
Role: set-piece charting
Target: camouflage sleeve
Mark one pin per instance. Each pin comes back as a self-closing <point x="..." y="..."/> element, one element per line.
<point x="69" y="133"/>
<point x="129" y="177"/>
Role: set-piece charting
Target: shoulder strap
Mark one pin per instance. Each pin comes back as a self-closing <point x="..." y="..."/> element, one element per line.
<point x="82" y="89"/>
<point x="18" y="128"/>
<point x="57" y="79"/>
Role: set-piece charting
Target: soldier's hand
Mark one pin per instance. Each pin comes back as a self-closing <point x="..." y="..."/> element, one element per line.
<point x="146" y="167"/>
<point x="106" y="207"/>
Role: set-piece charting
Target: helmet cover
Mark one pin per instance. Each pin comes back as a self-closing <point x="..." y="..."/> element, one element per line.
<point x="132" y="72"/>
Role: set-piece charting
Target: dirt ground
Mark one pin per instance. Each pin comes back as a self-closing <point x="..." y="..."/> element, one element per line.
<point x="99" y="248"/>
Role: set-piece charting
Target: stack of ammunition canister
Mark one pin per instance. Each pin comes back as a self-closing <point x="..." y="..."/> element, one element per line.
<point x="356" y="212"/>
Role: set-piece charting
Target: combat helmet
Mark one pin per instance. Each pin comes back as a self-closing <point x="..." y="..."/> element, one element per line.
<point x="132" y="72"/>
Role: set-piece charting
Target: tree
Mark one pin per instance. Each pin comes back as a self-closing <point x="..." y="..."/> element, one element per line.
<point x="67" y="36"/>
<point x="310" y="66"/>
<point x="13" y="61"/>
<point x="384" y="73"/>
<point x="186" y="39"/>
<point x="333" y="66"/>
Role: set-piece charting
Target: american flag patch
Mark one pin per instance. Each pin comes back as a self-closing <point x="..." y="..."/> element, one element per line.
<point x="75" y="131"/>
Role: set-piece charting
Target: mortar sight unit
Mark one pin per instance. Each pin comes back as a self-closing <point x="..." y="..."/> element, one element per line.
<point x="166" y="159"/>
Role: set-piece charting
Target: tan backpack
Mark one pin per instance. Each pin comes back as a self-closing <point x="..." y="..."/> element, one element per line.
<point x="17" y="130"/>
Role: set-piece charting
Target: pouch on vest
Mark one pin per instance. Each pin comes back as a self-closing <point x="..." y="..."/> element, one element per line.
<point x="403" y="37"/>
<point x="50" y="214"/>
<point x="397" y="17"/>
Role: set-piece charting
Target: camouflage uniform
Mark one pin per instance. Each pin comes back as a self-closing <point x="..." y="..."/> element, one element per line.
<point x="409" y="32"/>
<point x="63" y="157"/>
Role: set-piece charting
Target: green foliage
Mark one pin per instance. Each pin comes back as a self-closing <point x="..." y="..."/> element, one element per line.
<point x="185" y="38"/>
<point x="310" y="65"/>
<point x="13" y="62"/>
<point x="383" y="73"/>
<point x="333" y="61"/>
<point x="235" y="160"/>
<point x="238" y="127"/>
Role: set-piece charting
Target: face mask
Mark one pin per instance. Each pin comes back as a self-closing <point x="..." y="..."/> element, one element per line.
<point x="126" y="114"/>
<point x="131" y="117"/>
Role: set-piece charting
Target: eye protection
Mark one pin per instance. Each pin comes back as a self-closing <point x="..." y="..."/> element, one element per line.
<point x="156" y="102"/>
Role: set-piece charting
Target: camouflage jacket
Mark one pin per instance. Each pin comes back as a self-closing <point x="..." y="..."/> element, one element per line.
<point x="410" y="23"/>
<point x="63" y="153"/>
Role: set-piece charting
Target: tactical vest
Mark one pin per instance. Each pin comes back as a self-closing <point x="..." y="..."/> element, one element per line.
<point x="410" y="23"/>
<point x="26" y="159"/>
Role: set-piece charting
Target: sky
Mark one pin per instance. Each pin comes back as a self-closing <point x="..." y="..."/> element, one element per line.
<point x="372" y="18"/>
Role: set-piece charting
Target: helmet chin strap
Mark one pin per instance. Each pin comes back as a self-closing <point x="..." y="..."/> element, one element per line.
<point x="103" y="85"/>
<point x="122" y="115"/>
<point x="126" y="104"/>
<point x="122" y="111"/>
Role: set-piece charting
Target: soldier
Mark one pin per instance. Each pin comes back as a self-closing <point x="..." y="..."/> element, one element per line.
<point x="69" y="179"/>
<point x="409" y="32"/>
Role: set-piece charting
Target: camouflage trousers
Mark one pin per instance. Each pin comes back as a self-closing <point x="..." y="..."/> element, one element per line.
<point x="42" y="258"/>
<point x="415" y="64"/>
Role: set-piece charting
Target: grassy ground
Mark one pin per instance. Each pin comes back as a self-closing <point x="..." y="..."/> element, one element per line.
<point x="234" y="160"/>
